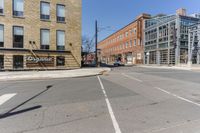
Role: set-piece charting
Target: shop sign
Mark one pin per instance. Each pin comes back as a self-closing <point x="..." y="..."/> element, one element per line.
<point x="40" y="61"/>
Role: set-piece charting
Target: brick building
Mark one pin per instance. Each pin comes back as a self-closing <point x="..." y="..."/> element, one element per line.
<point x="126" y="44"/>
<point x="40" y="34"/>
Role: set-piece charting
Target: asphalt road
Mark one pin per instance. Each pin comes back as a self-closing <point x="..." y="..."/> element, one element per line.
<point x="126" y="100"/>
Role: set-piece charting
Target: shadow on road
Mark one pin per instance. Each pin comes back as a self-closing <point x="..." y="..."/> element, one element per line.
<point x="10" y="112"/>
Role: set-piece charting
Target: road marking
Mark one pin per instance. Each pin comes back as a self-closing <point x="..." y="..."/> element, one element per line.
<point x="113" y="118"/>
<point x="179" y="97"/>
<point x="131" y="77"/>
<point x="6" y="97"/>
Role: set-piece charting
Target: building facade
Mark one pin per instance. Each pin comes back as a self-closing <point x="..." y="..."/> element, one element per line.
<point x="40" y="34"/>
<point x="194" y="44"/>
<point x="125" y="45"/>
<point x="166" y="38"/>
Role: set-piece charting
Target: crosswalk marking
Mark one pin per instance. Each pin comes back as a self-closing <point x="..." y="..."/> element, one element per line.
<point x="4" y="98"/>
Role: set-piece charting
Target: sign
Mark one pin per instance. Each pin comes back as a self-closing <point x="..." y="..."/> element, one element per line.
<point x="40" y="61"/>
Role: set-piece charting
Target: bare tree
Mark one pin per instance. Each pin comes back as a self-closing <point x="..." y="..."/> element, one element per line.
<point x="87" y="47"/>
<point x="87" y="44"/>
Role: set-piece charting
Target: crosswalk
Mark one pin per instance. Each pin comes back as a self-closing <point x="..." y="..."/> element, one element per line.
<point x="6" y="97"/>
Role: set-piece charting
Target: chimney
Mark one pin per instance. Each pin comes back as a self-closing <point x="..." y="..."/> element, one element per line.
<point x="181" y="12"/>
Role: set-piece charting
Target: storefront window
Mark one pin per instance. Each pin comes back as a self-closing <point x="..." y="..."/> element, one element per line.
<point x="1" y="62"/>
<point x="18" y="61"/>
<point x="60" y="61"/>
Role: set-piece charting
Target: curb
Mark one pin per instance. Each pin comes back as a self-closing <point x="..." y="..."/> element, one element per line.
<point x="54" y="76"/>
<point x="172" y="68"/>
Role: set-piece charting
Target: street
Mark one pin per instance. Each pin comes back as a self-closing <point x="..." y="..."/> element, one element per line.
<point x="125" y="100"/>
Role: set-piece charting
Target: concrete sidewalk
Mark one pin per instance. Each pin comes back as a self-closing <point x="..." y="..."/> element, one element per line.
<point x="26" y="75"/>
<point x="167" y="67"/>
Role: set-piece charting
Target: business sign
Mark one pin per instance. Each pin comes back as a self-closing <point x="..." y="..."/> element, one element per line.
<point x="40" y="61"/>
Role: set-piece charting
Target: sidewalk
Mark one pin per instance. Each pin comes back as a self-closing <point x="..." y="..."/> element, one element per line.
<point x="168" y="67"/>
<point x="28" y="75"/>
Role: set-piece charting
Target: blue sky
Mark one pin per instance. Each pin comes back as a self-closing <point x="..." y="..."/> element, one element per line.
<point x="118" y="13"/>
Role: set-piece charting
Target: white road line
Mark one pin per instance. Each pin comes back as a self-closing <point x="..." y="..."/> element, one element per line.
<point x="131" y="77"/>
<point x="114" y="121"/>
<point x="179" y="97"/>
<point x="6" y="97"/>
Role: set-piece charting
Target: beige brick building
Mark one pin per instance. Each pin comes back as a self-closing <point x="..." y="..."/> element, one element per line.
<point x="40" y="34"/>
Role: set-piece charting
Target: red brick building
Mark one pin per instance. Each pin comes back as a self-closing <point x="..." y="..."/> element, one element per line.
<point x="126" y="44"/>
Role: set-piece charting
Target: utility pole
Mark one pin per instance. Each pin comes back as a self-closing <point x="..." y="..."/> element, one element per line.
<point x="96" y="41"/>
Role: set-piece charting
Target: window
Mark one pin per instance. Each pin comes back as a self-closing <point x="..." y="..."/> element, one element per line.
<point x="134" y="42"/>
<point x="18" y="61"/>
<point x="18" y="8"/>
<point x="127" y="44"/>
<point x="60" y="61"/>
<point x="45" y="39"/>
<point x="1" y="62"/>
<point x="18" y="37"/>
<point x="131" y="43"/>
<point x="60" y="40"/>
<point x="126" y="34"/>
<point x="1" y="35"/>
<point x="1" y="6"/>
<point x="60" y="13"/>
<point x="139" y="41"/>
<point x="45" y="10"/>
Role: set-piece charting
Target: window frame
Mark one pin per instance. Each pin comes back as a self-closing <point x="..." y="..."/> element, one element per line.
<point x="60" y="65"/>
<point x="20" y="66"/>
<point x="3" y="36"/>
<point x="49" y="16"/>
<point x="14" y="34"/>
<point x="57" y="17"/>
<point x="57" y="46"/>
<point x="13" y="11"/>
<point x="1" y="13"/>
<point x="2" y="67"/>
<point x="44" y="47"/>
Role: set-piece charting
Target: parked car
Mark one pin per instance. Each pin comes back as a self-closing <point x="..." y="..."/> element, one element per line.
<point x="118" y="63"/>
